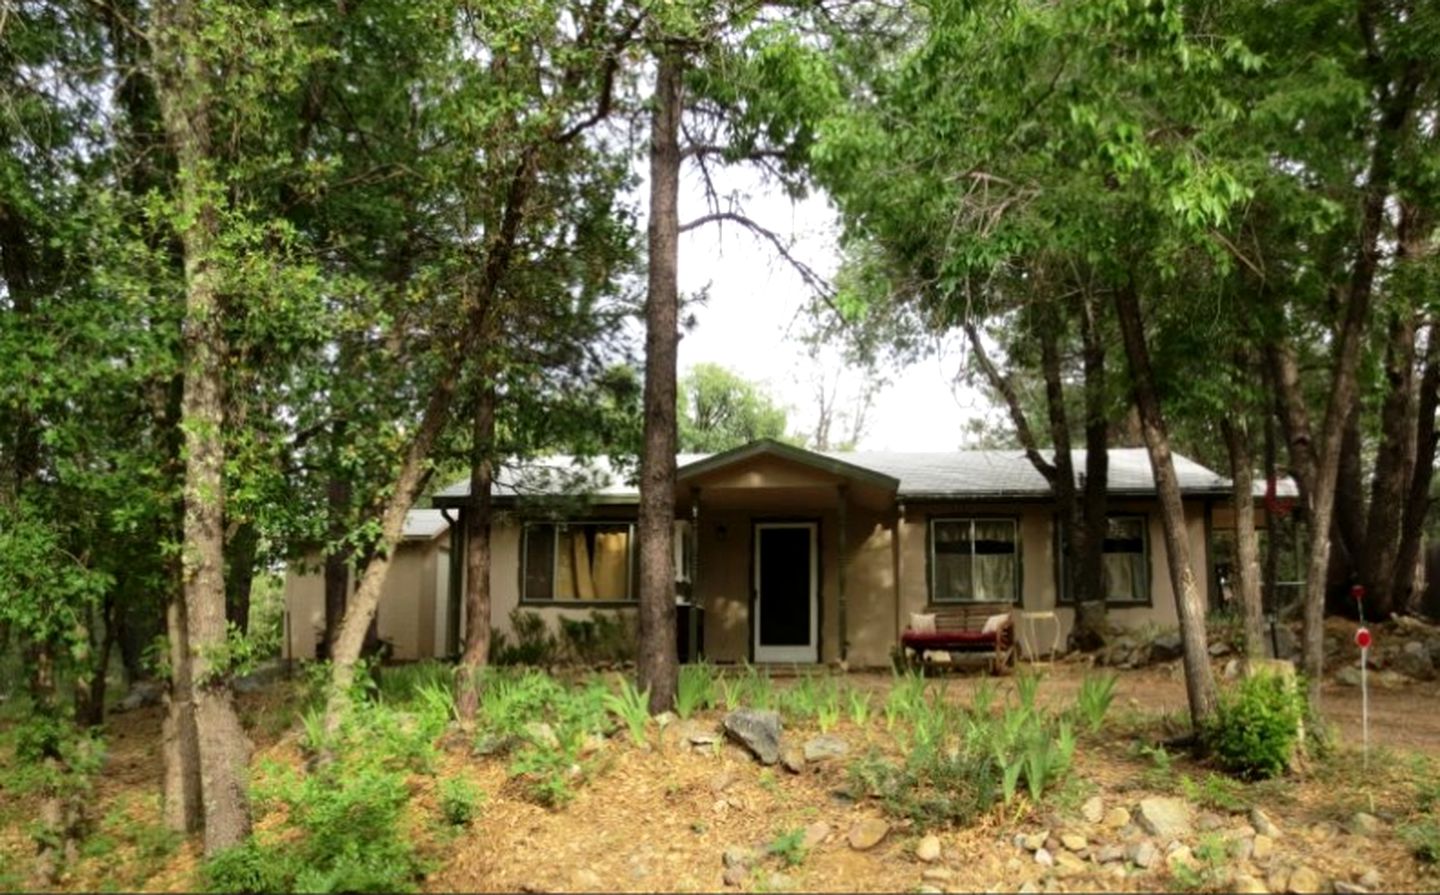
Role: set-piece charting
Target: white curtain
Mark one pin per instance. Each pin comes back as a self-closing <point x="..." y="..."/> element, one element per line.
<point x="994" y="571"/>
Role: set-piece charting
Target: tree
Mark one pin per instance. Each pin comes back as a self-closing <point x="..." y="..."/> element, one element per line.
<point x="720" y="410"/>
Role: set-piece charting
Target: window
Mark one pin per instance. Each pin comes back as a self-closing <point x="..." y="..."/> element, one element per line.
<point x="578" y="561"/>
<point x="1125" y="564"/>
<point x="974" y="560"/>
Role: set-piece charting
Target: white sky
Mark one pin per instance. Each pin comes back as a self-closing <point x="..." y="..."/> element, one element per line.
<point x="752" y="322"/>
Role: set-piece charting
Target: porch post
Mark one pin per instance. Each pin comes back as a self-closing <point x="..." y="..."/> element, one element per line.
<point x="694" y="559"/>
<point x="897" y="553"/>
<point x="840" y="577"/>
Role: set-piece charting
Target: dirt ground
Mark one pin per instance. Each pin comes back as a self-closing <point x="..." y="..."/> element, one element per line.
<point x="661" y="818"/>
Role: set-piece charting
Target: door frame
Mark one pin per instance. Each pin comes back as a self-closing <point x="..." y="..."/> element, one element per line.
<point x="809" y="653"/>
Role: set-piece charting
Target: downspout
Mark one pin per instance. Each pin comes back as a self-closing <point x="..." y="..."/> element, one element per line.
<point x="457" y="569"/>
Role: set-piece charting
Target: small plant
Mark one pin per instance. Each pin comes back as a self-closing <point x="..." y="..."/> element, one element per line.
<point x="534" y="644"/>
<point x="1092" y="701"/>
<point x="1027" y="687"/>
<point x="859" y="705"/>
<point x="695" y="689"/>
<point x="1422" y="836"/>
<point x="459" y="801"/>
<point x="1161" y="773"/>
<point x="631" y="706"/>
<point x="732" y="690"/>
<point x="1214" y="791"/>
<point x="789" y="847"/>
<point x="758" y="690"/>
<point x="827" y="705"/>
<point x="1256" y="726"/>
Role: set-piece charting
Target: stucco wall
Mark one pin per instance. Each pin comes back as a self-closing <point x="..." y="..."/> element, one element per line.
<point x="405" y="616"/>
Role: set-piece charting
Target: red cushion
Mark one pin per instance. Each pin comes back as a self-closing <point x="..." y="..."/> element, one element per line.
<point x="942" y="639"/>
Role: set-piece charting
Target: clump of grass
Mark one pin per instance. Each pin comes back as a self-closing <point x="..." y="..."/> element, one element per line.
<point x="460" y="801"/>
<point x="695" y="689"/>
<point x="858" y="702"/>
<point x="631" y="706"/>
<point x="1093" y="699"/>
<point x="789" y="847"/>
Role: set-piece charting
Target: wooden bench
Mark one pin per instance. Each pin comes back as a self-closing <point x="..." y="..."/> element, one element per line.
<point x="960" y="628"/>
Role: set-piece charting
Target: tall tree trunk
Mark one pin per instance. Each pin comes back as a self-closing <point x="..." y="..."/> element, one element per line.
<point x="1247" y="565"/>
<point x="658" y="661"/>
<point x="241" y="550"/>
<point x="1090" y="575"/>
<point x="1396" y="104"/>
<point x="338" y="553"/>
<point x="1190" y="603"/>
<point x="181" y="801"/>
<point x="185" y="100"/>
<point x="1417" y="499"/>
<point x="1394" y="468"/>
<point x="414" y="470"/>
<point x="477" y="551"/>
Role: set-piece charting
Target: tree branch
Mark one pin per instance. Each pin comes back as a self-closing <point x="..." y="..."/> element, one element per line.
<point x="1012" y="403"/>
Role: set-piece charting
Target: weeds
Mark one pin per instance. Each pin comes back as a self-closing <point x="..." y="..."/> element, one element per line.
<point x="789" y="847"/>
<point x="460" y="801"/>
<point x="695" y="689"/>
<point x="631" y="706"/>
<point x="859" y="706"/>
<point x="1093" y="699"/>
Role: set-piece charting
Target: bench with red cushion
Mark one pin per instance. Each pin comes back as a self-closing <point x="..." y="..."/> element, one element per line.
<point x="960" y="628"/>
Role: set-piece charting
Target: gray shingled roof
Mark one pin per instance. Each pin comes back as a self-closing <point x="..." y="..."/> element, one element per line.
<point x="951" y="474"/>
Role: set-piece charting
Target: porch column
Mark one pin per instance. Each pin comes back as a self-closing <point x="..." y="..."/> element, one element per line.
<point x="694" y="558"/>
<point x="840" y="576"/>
<point x="897" y="554"/>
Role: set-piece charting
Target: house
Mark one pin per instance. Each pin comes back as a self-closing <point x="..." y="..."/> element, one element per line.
<point x="801" y="556"/>
<point x="411" y="616"/>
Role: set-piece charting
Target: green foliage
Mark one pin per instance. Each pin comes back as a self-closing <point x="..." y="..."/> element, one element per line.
<point x="859" y="706"/>
<point x="1256" y="726"/>
<point x="603" y="637"/>
<point x="789" y="847"/>
<point x="1422" y="836"/>
<point x="534" y="644"/>
<point x="632" y="706"/>
<point x="695" y="689"/>
<point x="345" y="825"/>
<point x="460" y="801"/>
<point x="720" y="410"/>
<point x="1093" y="699"/>
<point x="1214" y="791"/>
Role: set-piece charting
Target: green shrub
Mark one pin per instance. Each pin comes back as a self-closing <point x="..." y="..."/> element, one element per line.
<point x="1256" y="726"/>
<point x="459" y="801"/>
<point x="603" y="637"/>
<point x="1422" y="836"/>
<point x="789" y="847"/>
<point x="534" y="644"/>
<point x="632" y="706"/>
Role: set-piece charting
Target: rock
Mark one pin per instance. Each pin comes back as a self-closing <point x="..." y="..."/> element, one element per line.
<point x="1164" y="817"/>
<point x="1044" y="858"/>
<point x="1324" y="830"/>
<point x="1232" y="669"/>
<point x="1263" y="825"/>
<point x="1142" y="854"/>
<point x="1219" y="648"/>
<point x="665" y="719"/>
<point x="541" y="734"/>
<point x="1363" y="824"/>
<point x="937" y="875"/>
<point x="698" y="733"/>
<point x="1370" y="879"/>
<point x="1035" y="841"/>
<point x="1277" y="879"/>
<point x="1305" y="880"/>
<point x="1289" y="643"/>
<point x="1093" y="810"/>
<point x="793" y="759"/>
<point x="1166" y="648"/>
<point x="1180" y="856"/>
<point x="1052" y="845"/>
<point x="815" y="834"/>
<point x="1242" y="848"/>
<point x="868" y="833"/>
<point x="777" y="882"/>
<point x="756" y="730"/>
<point x="142" y="695"/>
<point x="1110" y="854"/>
<point x="1262" y="847"/>
<point x="736" y="876"/>
<point x="1245" y="884"/>
<point x="1029" y="887"/>
<point x="825" y="747"/>
<point x="1415" y="662"/>
<point x="928" y="849"/>
<point x="1115" y="818"/>
<point x="1345" y="888"/>
<point x="737" y="856"/>
<point x="1074" y="842"/>
<point x="1208" y="822"/>
<point x="931" y="890"/>
<point x="1069" y="864"/>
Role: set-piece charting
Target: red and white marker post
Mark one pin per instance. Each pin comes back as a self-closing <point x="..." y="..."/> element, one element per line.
<point x="1363" y="640"/>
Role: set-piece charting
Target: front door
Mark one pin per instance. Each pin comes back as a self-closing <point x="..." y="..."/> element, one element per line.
<point x="787" y="610"/>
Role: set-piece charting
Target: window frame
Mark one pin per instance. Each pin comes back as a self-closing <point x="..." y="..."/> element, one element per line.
<point x="631" y="597"/>
<point x="1063" y="595"/>
<point x="972" y="518"/>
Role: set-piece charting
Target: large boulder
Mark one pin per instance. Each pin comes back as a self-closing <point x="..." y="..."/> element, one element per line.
<point x="825" y="746"/>
<point x="1164" y="818"/>
<point x="1414" y="662"/>
<point x="1166" y="648"/>
<point x="756" y="730"/>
